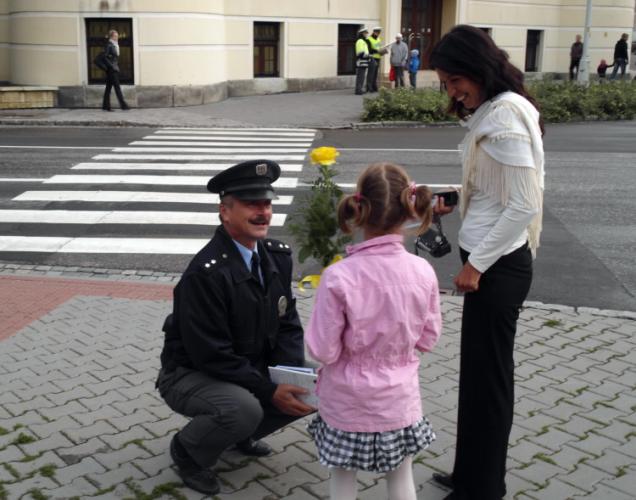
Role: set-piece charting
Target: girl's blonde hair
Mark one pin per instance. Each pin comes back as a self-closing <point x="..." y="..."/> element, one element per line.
<point x="384" y="201"/>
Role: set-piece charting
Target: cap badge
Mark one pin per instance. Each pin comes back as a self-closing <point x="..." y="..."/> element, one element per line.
<point x="261" y="169"/>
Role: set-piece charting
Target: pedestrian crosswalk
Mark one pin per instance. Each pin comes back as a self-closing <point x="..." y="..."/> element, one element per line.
<point x="148" y="197"/>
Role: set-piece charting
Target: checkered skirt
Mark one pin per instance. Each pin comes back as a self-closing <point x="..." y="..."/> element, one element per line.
<point x="369" y="451"/>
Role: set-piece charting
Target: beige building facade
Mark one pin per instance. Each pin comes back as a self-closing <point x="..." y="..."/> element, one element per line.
<point x="191" y="51"/>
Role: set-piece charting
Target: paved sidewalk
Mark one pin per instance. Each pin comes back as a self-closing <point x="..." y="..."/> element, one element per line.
<point x="79" y="417"/>
<point x="326" y="109"/>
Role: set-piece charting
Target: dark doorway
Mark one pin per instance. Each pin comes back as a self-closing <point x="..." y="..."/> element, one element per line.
<point x="347" y="35"/>
<point x="421" y="26"/>
<point x="97" y="37"/>
<point x="533" y="42"/>
<point x="266" y="48"/>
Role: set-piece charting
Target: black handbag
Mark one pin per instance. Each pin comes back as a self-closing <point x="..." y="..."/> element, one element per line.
<point x="101" y="61"/>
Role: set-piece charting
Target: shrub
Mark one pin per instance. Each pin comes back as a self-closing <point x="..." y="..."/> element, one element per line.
<point x="559" y="102"/>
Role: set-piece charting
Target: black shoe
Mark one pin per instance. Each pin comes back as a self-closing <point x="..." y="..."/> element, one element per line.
<point x="106" y="109"/>
<point x="254" y="448"/>
<point x="125" y="107"/>
<point x="192" y="474"/>
<point x="445" y="480"/>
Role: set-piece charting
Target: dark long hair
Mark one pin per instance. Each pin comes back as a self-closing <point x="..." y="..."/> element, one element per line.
<point x="470" y="52"/>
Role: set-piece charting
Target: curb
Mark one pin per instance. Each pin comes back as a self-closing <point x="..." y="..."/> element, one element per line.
<point x="136" y="275"/>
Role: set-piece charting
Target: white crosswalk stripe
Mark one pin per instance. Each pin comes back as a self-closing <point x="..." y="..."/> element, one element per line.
<point x="97" y="193"/>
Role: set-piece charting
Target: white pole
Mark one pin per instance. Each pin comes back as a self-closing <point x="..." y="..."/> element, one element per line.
<point x="584" y="68"/>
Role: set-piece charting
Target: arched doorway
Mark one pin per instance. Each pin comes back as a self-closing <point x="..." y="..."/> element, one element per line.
<point x="421" y="26"/>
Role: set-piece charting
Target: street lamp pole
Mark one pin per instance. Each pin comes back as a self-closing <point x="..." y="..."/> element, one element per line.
<point x="584" y="68"/>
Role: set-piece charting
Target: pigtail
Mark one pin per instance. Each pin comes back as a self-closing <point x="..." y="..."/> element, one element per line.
<point x="353" y="211"/>
<point x="423" y="207"/>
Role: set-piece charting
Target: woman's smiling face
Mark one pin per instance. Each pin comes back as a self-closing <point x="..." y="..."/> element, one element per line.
<point x="462" y="89"/>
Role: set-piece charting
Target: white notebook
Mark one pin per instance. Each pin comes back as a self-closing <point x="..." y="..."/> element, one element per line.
<point x="300" y="376"/>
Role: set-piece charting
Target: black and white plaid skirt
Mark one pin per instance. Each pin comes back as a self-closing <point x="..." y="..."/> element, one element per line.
<point x="369" y="451"/>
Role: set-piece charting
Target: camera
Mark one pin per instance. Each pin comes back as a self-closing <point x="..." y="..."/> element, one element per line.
<point x="451" y="198"/>
<point x="434" y="240"/>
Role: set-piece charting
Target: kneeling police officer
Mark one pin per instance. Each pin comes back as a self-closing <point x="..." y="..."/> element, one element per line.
<point x="233" y="316"/>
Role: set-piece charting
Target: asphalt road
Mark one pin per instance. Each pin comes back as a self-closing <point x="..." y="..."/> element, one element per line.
<point x="587" y="253"/>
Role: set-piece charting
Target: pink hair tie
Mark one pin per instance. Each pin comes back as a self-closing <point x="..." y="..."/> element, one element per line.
<point x="357" y="197"/>
<point x="413" y="191"/>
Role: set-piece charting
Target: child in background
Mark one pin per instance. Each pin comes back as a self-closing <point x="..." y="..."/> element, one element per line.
<point x="602" y="69"/>
<point x="414" y="65"/>
<point x="374" y="311"/>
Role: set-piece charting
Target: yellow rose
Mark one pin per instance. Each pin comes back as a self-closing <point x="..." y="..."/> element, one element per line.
<point x="325" y="155"/>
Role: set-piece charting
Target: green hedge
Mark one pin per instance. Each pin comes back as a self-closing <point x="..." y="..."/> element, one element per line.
<point x="559" y="101"/>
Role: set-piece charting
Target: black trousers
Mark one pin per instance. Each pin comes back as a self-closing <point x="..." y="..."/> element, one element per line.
<point x="112" y="81"/>
<point x="372" y="75"/>
<point x="399" y="76"/>
<point x="486" y="376"/>
<point x="574" y="65"/>
<point x="222" y="413"/>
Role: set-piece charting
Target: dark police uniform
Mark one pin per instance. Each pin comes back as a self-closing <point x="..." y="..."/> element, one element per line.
<point x="226" y="328"/>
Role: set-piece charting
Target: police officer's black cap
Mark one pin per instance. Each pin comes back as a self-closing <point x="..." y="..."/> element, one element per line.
<point x="249" y="180"/>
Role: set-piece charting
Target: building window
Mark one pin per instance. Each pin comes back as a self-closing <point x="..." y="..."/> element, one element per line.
<point x="266" y="48"/>
<point x="97" y="37"/>
<point x="347" y="35"/>
<point x="533" y="44"/>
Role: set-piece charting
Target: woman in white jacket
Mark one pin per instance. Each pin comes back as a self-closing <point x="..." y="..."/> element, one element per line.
<point x="501" y="207"/>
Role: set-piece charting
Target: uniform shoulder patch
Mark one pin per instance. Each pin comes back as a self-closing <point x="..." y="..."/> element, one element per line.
<point x="277" y="246"/>
<point x="213" y="262"/>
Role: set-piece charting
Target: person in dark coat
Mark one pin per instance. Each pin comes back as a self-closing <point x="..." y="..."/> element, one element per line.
<point x="234" y="315"/>
<point x="620" y="57"/>
<point x="576" y="52"/>
<point x="112" y="72"/>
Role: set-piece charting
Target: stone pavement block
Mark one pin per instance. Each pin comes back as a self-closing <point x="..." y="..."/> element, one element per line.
<point x="555" y="489"/>
<point x="299" y="494"/>
<point x="166" y="426"/>
<point x="119" y="475"/>
<point x="253" y="491"/>
<point x="18" y="489"/>
<point x="47" y="429"/>
<point x="593" y="443"/>
<point x="125" y="422"/>
<point x="283" y="483"/>
<point x="98" y="388"/>
<point x="82" y="380"/>
<point x="292" y="455"/>
<point x="76" y="453"/>
<point x="606" y="493"/>
<point x="55" y="441"/>
<point x="627" y="447"/>
<point x="153" y="465"/>
<point x="617" y="430"/>
<point x="157" y="446"/>
<point x="99" y="429"/>
<point x="72" y="408"/>
<point x="537" y="423"/>
<point x="516" y="485"/>
<point x="538" y="472"/>
<point x="161" y="412"/>
<point x="524" y="451"/>
<point x="238" y="478"/>
<point x="378" y="490"/>
<point x="20" y="408"/>
<point x="525" y="406"/>
<point x="585" y="477"/>
<point x="113" y="458"/>
<point x="289" y="435"/>
<point x="554" y="439"/>
<point x="145" y="401"/>
<point x="69" y="395"/>
<point x="108" y="398"/>
<point x="567" y="457"/>
<point x="429" y="491"/>
<point x="47" y="458"/>
<point x="80" y="487"/>
<point x="105" y="413"/>
<point x="105" y="375"/>
<point x="10" y="454"/>
<point x="610" y="461"/>
<point x="87" y="466"/>
<point x="316" y="469"/>
<point x="624" y="482"/>
<point x="118" y="439"/>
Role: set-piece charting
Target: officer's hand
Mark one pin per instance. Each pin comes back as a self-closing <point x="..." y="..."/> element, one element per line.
<point x="285" y="400"/>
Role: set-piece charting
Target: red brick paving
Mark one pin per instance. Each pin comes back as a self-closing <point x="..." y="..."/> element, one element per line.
<point x="23" y="299"/>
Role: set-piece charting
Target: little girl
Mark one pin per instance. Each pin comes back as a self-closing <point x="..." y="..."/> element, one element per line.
<point x="373" y="311"/>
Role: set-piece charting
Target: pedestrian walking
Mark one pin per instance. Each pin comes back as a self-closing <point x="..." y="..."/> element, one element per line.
<point x="112" y="72"/>
<point x="620" y="57"/>
<point x="234" y="315"/>
<point x="362" y="60"/>
<point x="399" y="57"/>
<point x="373" y="312"/>
<point x="576" y="52"/>
<point x="414" y="66"/>
<point x="501" y="206"/>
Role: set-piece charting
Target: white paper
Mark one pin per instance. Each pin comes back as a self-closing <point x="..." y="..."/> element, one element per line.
<point x="289" y="375"/>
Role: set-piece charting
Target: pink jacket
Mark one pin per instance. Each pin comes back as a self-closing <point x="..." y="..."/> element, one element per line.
<point x="373" y="310"/>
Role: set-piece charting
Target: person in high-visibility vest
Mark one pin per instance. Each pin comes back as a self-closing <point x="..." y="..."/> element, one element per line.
<point x="376" y="51"/>
<point x="362" y="59"/>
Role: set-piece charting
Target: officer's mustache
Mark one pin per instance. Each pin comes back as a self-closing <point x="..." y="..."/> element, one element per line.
<point x="259" y="220"/>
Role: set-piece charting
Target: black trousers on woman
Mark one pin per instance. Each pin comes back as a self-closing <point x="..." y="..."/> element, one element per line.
<point x="486" y="376"/>
<point x="112" y="81"/>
